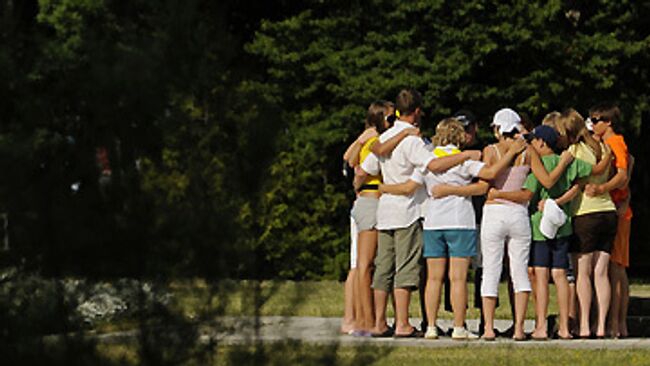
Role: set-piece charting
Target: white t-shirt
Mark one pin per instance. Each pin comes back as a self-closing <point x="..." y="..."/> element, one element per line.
<point x="410" y="155"/>
<point x="451" y="212"/>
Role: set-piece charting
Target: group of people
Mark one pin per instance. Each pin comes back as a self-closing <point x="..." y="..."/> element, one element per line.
<point x="553" y="198"/>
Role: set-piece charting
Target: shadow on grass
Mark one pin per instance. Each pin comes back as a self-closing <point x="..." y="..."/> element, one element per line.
<point x="40" y="323"/>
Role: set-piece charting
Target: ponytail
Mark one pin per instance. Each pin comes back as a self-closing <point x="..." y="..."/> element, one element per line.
<point x="576" y="131"/>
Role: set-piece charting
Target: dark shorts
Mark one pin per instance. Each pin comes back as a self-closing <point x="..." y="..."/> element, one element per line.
<point x="550" y="253"/>
<point x="595" y="232"/>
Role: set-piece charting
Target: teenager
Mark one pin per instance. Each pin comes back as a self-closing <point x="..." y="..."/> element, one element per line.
<point x="594" y="225"/>
<point x="605" y="117"/>
<point x="400" y="233"/>
<point x="504" y="220"/>
<point x="449" y="225"/>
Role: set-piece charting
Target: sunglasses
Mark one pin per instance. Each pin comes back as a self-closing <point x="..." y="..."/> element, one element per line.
<point x="595" y="120"/>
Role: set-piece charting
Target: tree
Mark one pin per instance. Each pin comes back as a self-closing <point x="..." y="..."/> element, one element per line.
<point x="332" y="60"/>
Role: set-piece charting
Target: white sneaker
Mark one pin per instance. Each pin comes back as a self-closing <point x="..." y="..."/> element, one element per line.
<point x="432" y="333"/>
<point x="462" y="334"/>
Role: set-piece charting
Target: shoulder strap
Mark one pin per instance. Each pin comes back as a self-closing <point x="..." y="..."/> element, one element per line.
<point x="497" y="151"/>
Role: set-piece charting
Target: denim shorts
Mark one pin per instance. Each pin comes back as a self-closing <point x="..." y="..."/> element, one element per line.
<point x="449" y="243"/>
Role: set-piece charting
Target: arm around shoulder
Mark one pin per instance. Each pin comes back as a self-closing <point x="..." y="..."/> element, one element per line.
<point x="520" y="196"/>
<point x="402" y="189"/>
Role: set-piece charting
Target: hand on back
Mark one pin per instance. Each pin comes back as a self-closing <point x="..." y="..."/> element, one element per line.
<point x="472" y="154"/>
<point x="412" y="131"/>
<point x="566" y="158"/>
<point x="517" y="146"/>
<point x="592" y="190"/>
<point x="439" y="191"/>
<point x="367" y="135"/>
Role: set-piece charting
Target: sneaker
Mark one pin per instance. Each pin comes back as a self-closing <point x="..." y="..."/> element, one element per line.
<point x="462" y="334"/>
<point x="432" y="333"/>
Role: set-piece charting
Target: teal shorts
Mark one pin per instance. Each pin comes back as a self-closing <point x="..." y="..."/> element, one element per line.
<point x="449" y="243"/>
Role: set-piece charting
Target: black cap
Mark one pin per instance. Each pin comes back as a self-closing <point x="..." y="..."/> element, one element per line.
<point x="465" y="117"/>
<point x="546" y="134"/>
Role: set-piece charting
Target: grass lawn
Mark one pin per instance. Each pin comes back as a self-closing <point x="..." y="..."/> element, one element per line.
<point x="199" y="299"/>
<point x="293" y="353"/>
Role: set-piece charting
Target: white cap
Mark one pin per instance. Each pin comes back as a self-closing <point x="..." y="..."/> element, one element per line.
<point x="553" y="218"/>
<point x="507" y="120"/>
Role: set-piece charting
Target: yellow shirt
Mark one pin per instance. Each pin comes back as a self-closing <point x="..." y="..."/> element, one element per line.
<point x="584" y="204"/>
<point x="363" y="154"/>
<point x="441" y="151"/>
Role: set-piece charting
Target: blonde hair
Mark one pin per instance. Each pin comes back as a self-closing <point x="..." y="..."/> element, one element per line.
<point x="551" y="119"/>
<point x="449" y="131"/>
<point x="572" y="123"/>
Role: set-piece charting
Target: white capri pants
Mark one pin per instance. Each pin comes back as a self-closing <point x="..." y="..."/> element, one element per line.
<point x="501" y="223"/>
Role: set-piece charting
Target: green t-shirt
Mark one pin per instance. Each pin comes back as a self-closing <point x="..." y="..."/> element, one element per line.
<point x="576" y="170"/>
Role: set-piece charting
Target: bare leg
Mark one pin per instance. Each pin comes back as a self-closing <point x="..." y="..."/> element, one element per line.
<point x="435" y="275"/>
<point x="533" y="284"/>
<point x="541" y="302"/>
<point x="562" y="287"/>
<point x="603" y="289"/>
<point x="521" y="305"/>
<point x="347" y="324"/>
<point x="615" y="308"/>
<point x="367" y="248"/>
<point x="625" y="300"/>
<point x="458" y="277"/>
<point x="620" y="299"/>
<point x="583" y="287"/>
<point x="381" y="301"/>
<point x="402" y="301"/>
<point x="572" y="301"/>
<point x="489" y="305"/>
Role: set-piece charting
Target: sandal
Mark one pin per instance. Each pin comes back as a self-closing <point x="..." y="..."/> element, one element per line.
<point x="389" y="332"/>
<point x="414" y="334"/>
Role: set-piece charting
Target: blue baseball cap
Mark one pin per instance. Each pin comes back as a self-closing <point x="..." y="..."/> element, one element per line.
<point x="547" y="134"/>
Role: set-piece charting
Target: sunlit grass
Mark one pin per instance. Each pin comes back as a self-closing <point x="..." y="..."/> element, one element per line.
<point x="198" y="300"/>
<point x="321" y="298"/>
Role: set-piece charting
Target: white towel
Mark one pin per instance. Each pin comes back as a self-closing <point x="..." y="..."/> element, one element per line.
<point x="553" y="218"/>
